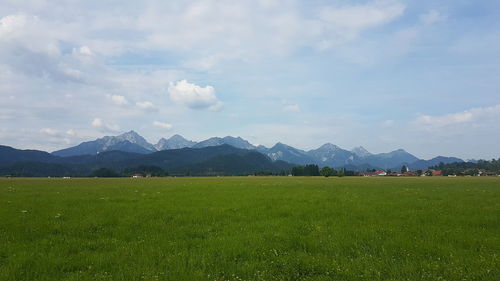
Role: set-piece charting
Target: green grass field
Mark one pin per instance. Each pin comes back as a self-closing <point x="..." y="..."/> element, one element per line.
<point x="251" y="228"/>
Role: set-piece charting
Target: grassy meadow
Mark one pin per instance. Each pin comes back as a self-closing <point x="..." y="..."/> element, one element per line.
<point x="255" y="228"/>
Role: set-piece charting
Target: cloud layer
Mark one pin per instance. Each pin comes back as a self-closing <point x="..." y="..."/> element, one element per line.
<point x="217" y="67"/>
<point x="475" y="117"/>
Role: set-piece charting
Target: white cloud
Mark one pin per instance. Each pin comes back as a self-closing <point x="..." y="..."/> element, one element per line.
<point x="194" y="96"/>
<point x="216" y="107"/>
<point x="37" y="47"/>
<point x="105" y="127"/>
<point x="145" y="105"/>
<point x="388" y="124"/>
<point x="211" y="30"/>
<point x="292" y="108"/>
<point x="85" y="50"/>
<point x="163" y="125"/>
<point x="49" y="131"/>
<point x="431" y="17"/>
<point x="342" y="24"/>
<point x="205" y="63"/>
<point x="9" y="24"/>
<point x="363" y="16"/>
<point x="55" y="136"/>
<point x="471" y="117"/>
<point x="71" y="132"/>
<point x="119" y="100"/>
<point x="97" y="123"/>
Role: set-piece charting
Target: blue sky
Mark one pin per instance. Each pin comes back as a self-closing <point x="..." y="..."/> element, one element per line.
<point x="384" y="74"/>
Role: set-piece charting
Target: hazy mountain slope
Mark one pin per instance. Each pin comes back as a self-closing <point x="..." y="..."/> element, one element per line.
<point x="289" y="154"/>
<point x="174" y="142"/>
<point x="332" y="156"/>
<point x="223" y="159"/>
<point x="235" y="164"/>
<point x="424" y="164"/>
<point x="10" y="155"/>
<point x="388" y="160"/>
<point x="326" y="155"/>
<point x="43" y="169"/>
<point x="361" y="151"/>
<point x="129" y="142"/>
<point x="233" y="141"/>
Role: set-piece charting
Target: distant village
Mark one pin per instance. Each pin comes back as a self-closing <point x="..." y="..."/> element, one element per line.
<point x="427" y="173"/>
<point x="371" y="173"/>
<point x="314" y="170"/>
<point x="420" y="173"/>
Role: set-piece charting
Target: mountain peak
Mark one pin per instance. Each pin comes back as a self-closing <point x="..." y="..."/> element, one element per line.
<point x="361" y="151"/>
<point x="281" y="151"/>
<point x="177" y="137"/>
<point x="134" y="137"/>
<point x="237" y="142"/>
<point x="129" y="142"/>
<point x="328" y="146"/>
<point x="130" y="133"/>
<point x="280" y="144"/>
<point x="131" y="136"/>
<point x="174" y="142"/>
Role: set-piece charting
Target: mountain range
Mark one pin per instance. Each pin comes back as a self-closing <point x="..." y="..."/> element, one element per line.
<point x="326" y="155"/>
<point x="211" y="160"/>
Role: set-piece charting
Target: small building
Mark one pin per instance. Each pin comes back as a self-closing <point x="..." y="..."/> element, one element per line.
<point x="437" y="173"/>
<point x="432" y="173"/>
<point x="377" y="173"/>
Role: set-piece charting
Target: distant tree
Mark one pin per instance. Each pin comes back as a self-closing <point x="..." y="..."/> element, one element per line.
<point x="307" y="170"/>
<point x="311" y="170"/>
<point x="105" y="173"/>
<point x="298" y="171"/>
<point x="428" y="173"/>
<point x="340" y="173"/>
<point x="419" y="172"/>
<point x="154" y="171"/>
<point x="334" y="172"/>
<point x="404" y="169"/>
<point x="472" y="172"/>
<point x="326" y="171"/>
<point x="348" y="173"/>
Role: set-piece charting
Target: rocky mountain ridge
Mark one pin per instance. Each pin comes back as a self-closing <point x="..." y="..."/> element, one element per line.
<point x="326" y="155"/>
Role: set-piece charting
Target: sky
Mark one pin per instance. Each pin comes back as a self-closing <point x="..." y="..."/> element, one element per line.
<point x="383" y="74"/>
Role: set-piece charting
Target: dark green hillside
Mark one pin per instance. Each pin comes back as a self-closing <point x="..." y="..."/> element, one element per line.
<point x="234" y="164"/>
<point x="9" y="156"/>
<point x="39" y="169"/>
<point x="213" y="160"/>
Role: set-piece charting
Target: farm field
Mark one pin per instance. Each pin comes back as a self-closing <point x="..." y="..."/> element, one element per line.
<point x="250" y="228"/>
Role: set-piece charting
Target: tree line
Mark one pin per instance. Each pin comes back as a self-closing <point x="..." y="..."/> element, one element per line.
<point x="469" y="168"/>
<point x="312" y="170"/>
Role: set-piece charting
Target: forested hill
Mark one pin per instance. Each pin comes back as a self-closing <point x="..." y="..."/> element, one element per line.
<point x="470" y="168"/>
